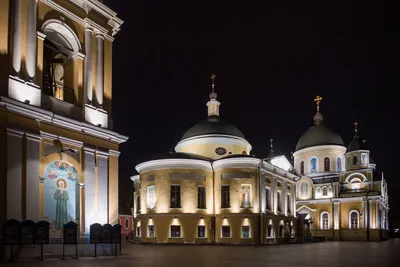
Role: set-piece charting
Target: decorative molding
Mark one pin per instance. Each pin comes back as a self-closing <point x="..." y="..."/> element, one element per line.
<point x="89" y="150"/>
<point x="33" y="137"/>
<point x="319" y="148"/>
<point x="101" y="153"/>
<point x="51" y="118"/>
<point x="114" y="153"/>
<point x="135" y="178"/>
<point x="15" y="132"/>
<point x="173" y="164"/>
<point x="41" y="35"/>
<point x="185" y="176"/>
<point x="249" y="163"/>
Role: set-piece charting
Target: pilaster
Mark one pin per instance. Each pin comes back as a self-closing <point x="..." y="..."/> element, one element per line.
<point x="89" y="191"/>
<point x="32" y="176"/>
<point x="14" y="174"/>
<point x="31" y="40"/>
<point x="102" y="216"/>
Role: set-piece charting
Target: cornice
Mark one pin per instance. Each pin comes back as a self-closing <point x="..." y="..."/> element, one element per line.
<point x="318" y="148"/>
<point x="51" y="118"/>
<point x="161" y="164"/>
<point x="249" y="163"/>
<point x="87" y="5"/>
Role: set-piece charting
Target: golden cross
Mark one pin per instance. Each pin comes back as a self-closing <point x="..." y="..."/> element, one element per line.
<point x="317" y="100"/>
<point x="212" y="81"/>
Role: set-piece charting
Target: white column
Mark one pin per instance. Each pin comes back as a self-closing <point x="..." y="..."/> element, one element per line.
<point x="365" y="213"/>
<point x="285" y="204"/>
<point x="377" y="214"/>
<point x="14" y="174"/>
<point x="31" y="39"/>
<point x="370" y="214"/>
<point x="16" y="36"/>
<point x="99" y="69"/>
<point x="294" y="199"/>
<point x="336" y="215"/>
<point x="275" y="195"/>
<point x="102" y="206"/>
<point x="262" y="192"/>
<point x="88" y="82"/>
<point x="89" y="165"/>
<point x="32" y="176"/>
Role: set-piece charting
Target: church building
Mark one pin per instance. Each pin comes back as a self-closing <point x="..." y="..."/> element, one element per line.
<point x="59" y="153"/>
<point x="211" y="190"/>
<point x="340" y="192"/>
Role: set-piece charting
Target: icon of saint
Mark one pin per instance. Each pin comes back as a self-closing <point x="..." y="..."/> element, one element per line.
<point x="61" y="196"/>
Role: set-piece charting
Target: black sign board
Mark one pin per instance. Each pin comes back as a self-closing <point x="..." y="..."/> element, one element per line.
<point x="11" y="232"/>
<point x="116" y="233"/>
<point x="42" y="232"/>
<point x="96" y="232"/>
<point x="106" y="236"/>
<point x="28" y="232"/>
<point x="70" y="233"/>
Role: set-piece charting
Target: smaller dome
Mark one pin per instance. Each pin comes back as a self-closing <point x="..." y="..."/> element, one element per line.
<point x="318" y="136"/>
<point x="356" y="144"/>
<point x="212" y="125"/>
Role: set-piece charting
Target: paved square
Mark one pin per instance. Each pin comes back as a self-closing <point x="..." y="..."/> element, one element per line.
<point x="332" y="254"/>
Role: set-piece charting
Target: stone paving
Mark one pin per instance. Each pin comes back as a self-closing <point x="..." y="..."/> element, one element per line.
<point x="335" y="254"/>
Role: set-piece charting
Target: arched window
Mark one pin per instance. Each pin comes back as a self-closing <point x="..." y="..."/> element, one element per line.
<point x="318" y="191"/>
<point x="327" y="164"/>
<point x="353" y="220"/>
<point x="304" y="189"/>
<point x="339" y="165"/>
<point x="281" y="230"/>
<point x="270" y="231"/>
<point x="325" y="191"/>
<point x="325" y="221"/>
<point x="302" y="167"/>
<point x="355" y="160"/>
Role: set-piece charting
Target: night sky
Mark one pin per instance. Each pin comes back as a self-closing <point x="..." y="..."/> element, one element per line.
<point x="269" y="67"/>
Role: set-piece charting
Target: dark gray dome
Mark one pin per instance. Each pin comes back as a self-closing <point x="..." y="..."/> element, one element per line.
<point x="319" y="135"/>
<point x="356" y="144"/>
<point x="212" y="125"/>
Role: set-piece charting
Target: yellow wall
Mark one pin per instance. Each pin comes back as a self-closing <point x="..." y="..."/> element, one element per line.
<point x="332" y="153"/>
<point x="208" y="150"/>
<point x="113" y="174"/>
<point x="4" y="52"/>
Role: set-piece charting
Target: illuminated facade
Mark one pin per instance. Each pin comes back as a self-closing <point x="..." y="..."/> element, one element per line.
<point x="59" y="155"/>
<point x="340" y="191"/>
<point x="211" y="190"/>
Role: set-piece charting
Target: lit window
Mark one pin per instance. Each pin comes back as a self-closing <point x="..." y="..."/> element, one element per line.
<point x="201" y="231"/>
<point x="245" y="231"/>
<point x="354" y="220"/>
<point x="325" y="221"/>
<point x="226" y="231"/>
<point x="175" y="231"/>
<point x="150" y="231"/>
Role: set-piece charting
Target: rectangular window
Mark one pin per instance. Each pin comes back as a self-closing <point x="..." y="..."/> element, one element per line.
<point x="126" y="223"/>
<point x="138" y="232"/>
<point x="245" y="231"/>
<point x="201" y="197"/>
<point x="267" y="199"/>
<point x="138" y="203"/>
<point x="175" y="231"/>
<point x="279" y="201"/>
<point x="175" y="196"/>
<point x="226" y="231"/>
<point x="150" y="231"/>
<point x="201" y="231"/>
<point x="289" y="209"/>
<point x="225" y="201"/>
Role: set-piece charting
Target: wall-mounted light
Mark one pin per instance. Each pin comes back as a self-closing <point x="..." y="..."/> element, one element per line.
<point x="224" y="217"/>
<point x="245" y="217"/>
<point x="27" y="101"/>
<point x="150" y="218"/>
<point x="202" y="217"/>
<point x="175" y="217"/>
